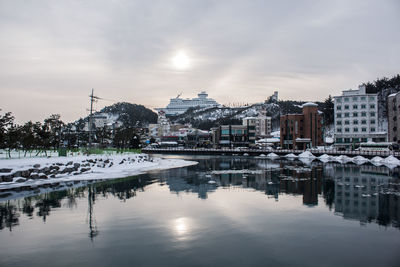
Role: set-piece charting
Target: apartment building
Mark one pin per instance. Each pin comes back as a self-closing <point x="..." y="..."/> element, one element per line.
<point x="262" y="125"/>
<point x="356" y="118"/>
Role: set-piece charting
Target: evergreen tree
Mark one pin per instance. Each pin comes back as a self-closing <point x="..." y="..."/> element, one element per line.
<point x="328" y="110"/>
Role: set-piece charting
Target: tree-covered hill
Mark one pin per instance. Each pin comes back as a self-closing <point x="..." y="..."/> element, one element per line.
<point x="131" y="114"/>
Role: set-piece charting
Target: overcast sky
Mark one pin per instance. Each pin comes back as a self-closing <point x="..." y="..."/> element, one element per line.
<point x="53" y="52"/>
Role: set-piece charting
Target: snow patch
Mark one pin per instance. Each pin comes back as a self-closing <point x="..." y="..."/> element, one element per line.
<point x="307" y="154"/>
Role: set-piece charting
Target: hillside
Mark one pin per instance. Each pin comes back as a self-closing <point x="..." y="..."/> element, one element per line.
<point x="210" y="117"/>
<point x="131" y="115"/>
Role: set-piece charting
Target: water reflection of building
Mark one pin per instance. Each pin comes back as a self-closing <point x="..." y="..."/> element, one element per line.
<point x="357" y="190"/>
<point x="306" y="182"/>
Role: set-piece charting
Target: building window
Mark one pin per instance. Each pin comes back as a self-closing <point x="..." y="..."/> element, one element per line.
<point x="339" y="123"/>
<point x="355" y="114"/>
<point x="339" y="140"/>
<point x="372" y="129"/>
<point x="339" y="115"/>
<point x="355" y="130"/>
<point x="346" y="106"/>
<point x="363" y="129"/>
<point x="363" y="114"/>
<point x="347" y="122"/>
<point x="364" y="140"/>
<point x="363" y="98"/>
<point x="347" y="140"/>
<point x="225" y="132"/>
<point x="347" y="114"/>
<point x="347" y="130"/>
<point x="355" y="107"/>
<point x="372" y="114"/>
<point x="346" y="99"/>
<point x="371" y="98"/>
<point x="355" y="122"/>
<point x="338" y="107"/>
<point x="339" y="100"/>
<point x="372" y="121"/>
<point x="371" y="106"/>
<point x="363" y="122"/>
<point x="339" y="130"/>
<point x="363" y="106"/>
<point x="355" y="98"/>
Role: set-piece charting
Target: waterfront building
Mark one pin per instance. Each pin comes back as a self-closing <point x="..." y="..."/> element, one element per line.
<point x="356" y="118"/>
<point x="301" y="131"/>
<point x="233" y="136"/>
<point x="394" y="117"/>
<point x="261" y="124"/>
<point x="180" y="105"/>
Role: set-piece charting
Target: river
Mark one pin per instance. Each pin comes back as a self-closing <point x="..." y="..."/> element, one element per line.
<point x="225" y="211"/>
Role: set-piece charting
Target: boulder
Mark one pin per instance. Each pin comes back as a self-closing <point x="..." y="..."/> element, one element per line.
<point x="7" y="178"/>
<point x="25" y="173"/>
<point x="67" y="170"/>
<point x="85" y="169"/>
<point x="17" y="174"/>
<point x="36" y="166"/>
<point x="5" y="170"/>
<point x="69" y="163"/>
<point x="34" y="176"/>
<point x="54" y="168"/>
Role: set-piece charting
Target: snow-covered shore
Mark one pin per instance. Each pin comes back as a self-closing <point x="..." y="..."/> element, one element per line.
<point x="34" y="172"/>
<point x="308" y="157"/>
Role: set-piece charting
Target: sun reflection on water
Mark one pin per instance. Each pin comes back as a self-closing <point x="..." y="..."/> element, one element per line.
<point x="181" y="228"/>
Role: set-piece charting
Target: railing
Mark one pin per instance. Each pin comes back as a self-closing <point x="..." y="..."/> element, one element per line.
<point x="277" y="151"/>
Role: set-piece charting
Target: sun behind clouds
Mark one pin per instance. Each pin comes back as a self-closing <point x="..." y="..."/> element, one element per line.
<point x="181" y="61"/>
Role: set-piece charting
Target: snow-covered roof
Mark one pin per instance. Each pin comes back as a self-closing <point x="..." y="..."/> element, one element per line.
<point x="309" y="104"/>
<point x="392" y="95"/>
<point x="268" y="140"/>
<point x="303" y="140"/>
<point x="250" y="118"/>
<point x="329" y="140"/>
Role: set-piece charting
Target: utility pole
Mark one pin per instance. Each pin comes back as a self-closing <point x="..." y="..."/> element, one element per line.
<point x="92" y="99"/>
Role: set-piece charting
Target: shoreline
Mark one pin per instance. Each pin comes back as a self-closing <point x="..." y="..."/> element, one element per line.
<point x="82" y="168"/>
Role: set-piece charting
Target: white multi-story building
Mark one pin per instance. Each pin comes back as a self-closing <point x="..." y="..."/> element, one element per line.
<point x="179" y="105"/>
<point x="356" y="118"/>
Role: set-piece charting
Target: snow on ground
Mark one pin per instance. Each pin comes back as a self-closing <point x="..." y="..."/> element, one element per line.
<point x="244" y="171"/>
<point x="306" y="154"/>
<point x="123" y="166"/>
<point x="276" y="134"/>
<point x="272" y="155"/>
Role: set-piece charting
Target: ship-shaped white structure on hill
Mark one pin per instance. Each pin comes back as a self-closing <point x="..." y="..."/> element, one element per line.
<point x="179" y="105"/>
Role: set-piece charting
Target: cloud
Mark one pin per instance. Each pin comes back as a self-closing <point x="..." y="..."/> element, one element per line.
<point x="53" y="52"/>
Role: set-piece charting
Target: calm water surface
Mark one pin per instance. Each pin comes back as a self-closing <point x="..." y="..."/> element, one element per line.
<point x="226" y="211"/>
